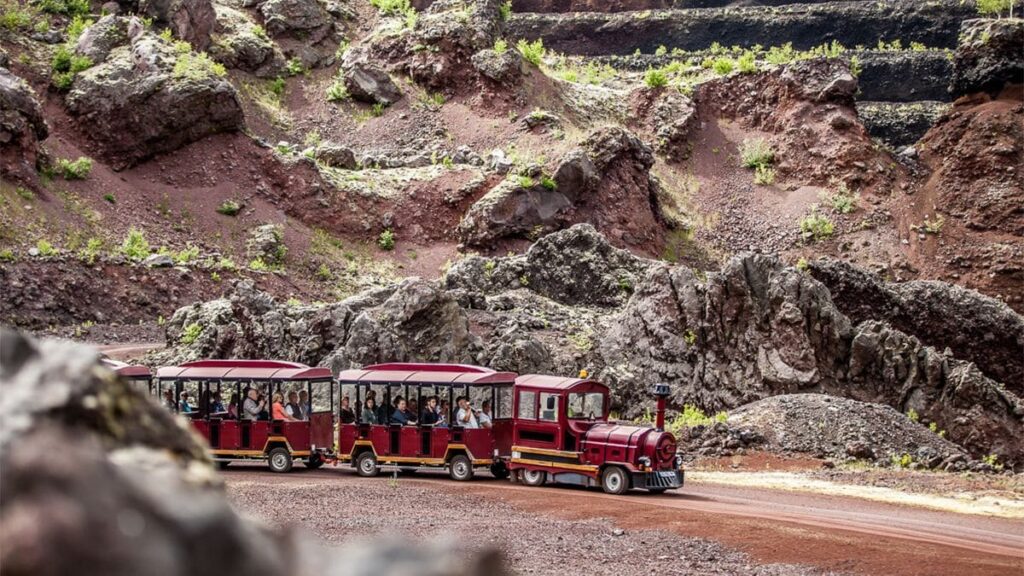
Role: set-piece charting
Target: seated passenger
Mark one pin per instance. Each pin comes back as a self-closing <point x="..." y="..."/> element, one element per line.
<point x="216" y="404"/>
<point x="233" y="406"/>
<point x="253" y="406"/>
<point x="184" y="405"/>
<point x="292" y="409"/>
<point x="305" y="407"/>
<point x="277" y="408"/>
<point x="465" y="416"/>
<point x="412" y="409"/>
<point x="347" y="415"/>
<point x="369" y="415"/>
<point x="429" y="416"/>
<point x="399" y="416"/>
<point x="485" y="414"/>
<point x="443" y="414"/>
<point x="169" y="400"/>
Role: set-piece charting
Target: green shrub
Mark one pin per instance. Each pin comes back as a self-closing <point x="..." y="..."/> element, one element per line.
<point x="912" y="415"/>
<point x="337" y="92"/>
<point x="843" y="201"/>
<point x="229" y="208"/>
<point x="191" y="65"/>
<point x="377" y="110"/>
<point x="65" y="7"/>
<point x="990" y="7"/>
<point x="277" y="86"/>
<point x="764" y="175"/>
<point x="190" y="333"/>
<point x="993" y="461"/>
<point x="25" y="193"/>
<point x="259" y="32"/>
<point x="901" y="460"/>
<point x="74" y="169"/>
<point x="386" y="240"/>
<point x="526" y="182"/>
<point x="135" y="246"/>
<point x="93" y="248"/>
<point x="533" y="52"/>
<point x="45" y="248"/>
<point x="324" y="274"/>
<point x="258" y="265"/>
<point x="15" y="16"/>
<point x="746" y="63"/>
<point x="294" y="67"/>
<point x="548" y="182"/>
<point x="500" y="46"/>
<point x="655" y="78"/>
<point x="110" y="198"/>
<point x="722" y="66"/>
<point x="815" y="227"/>
<point x="189" y="254"/>
<point x="391" y="7"/>
<point x="75" y="28"/>
<point x="7" y="255"/>
<point x="505" y="10"/>
<point x="756" y="152"/>
<point x="779" y="55"/>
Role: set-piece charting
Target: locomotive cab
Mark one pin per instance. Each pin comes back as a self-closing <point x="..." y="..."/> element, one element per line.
<point x="561" y="434"/>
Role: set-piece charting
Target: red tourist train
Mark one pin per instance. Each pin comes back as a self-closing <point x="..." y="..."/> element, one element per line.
<point x="534" y="428"/>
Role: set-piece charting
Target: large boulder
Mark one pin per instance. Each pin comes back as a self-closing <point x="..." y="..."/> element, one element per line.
<point x="283" y="16"/>
<point x="175" y="97"/>
<point x="989" y="56"/>
<point x="240" y="43"/>
<point x="366" y="81"/>
<point x="98" y="40"/>
<point x="22" y="126"/>
<point x="191" y="20"/>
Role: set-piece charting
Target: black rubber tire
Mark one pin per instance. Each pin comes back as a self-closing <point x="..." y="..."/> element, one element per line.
<point x="280" y="460"/>
<point x="366" y="465"/>
<point x="499" y="470"/>
<point x="614" y="480"/>
<point x="314" y="462"/>
<point x="533" y="477"/>
<point x="460" y="468"/>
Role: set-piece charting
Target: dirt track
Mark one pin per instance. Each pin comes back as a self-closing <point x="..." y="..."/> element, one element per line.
<point x="832" y="533"/>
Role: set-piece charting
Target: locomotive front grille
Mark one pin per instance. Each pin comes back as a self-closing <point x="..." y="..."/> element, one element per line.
<point x="659" y="479"/>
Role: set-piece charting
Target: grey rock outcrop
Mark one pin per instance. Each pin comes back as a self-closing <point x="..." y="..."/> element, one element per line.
<point x="368" y="82"/>
<point x="502" y="67"/>
<point x="283" y="16"/>
<point x="191" y="20"/>
<point x="241" y="44"/>
<point x="176" y="98"/>
<point x="22" y="127"/>
<point x="266" y="243"/>
<point x="337" y="156"/>
<point x="989" y="56"/>
<point x="98" y="40"/>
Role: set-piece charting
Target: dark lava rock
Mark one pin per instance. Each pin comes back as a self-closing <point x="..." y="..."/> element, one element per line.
<point x="191" y="20"/>
<point x="368" y="82"/>
<point x="990" y="55"/>
<point x="175" y="98"/>
<point x="22" y="126"/>
<point x="899" y="124"/>
<point x="293" y="15"/>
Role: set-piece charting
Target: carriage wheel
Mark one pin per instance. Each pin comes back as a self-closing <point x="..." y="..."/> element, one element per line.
<point x="499" y="470"/>
<point x="533" y="477"/>
<point x="280" y="460"/>
<point x="461" y="468"/>
<point x="366" y="464"/>
<point x="614" y="480"/>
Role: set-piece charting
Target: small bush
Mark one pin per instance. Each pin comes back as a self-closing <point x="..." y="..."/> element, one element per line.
<point x="533" y="52"/>
<point x="756" y="152"/>
<point x="45" y="248"/>
<point x="764" y="175"/>
<point x="110" y="198"/>
<point x="526" y="182"/>
<point x="324" y="274"/>
<point x="25" y="193"/>
<point x="377" y="110"/>
<point x="74" y="169"/>
<point x="92" y="250"/>
<point x="655" y="78"/>
<point x="294" y="67"/>
<point x="722" y="66"/>
<point x="258" y="265"/>
<point x="190" y="333"/>
<point x="505" y="10"/>
<point x="135" y="246"/>
<point x="189" y="254"/>
<point x="500" y="46"/>
<point x="746" y="63"/>
<point x="843" y="201"/>
<point x="934" y="226"/>
<point x="912" y="415"/>
<point x="190" y="65"/>
<point x="996" y="7"/>
<point x="337" y="92"/>
<point x="548" y="182"/>
<point x="7" y="255"/>
<point x="75" y="28"/>
<point x="277" y="86"/>
<point x="815" y="227"/>
<point x="902" y="460"/>
<point x="65" y="7"/>
<point x="386" y="240"/>
<point x="229" y="208"/>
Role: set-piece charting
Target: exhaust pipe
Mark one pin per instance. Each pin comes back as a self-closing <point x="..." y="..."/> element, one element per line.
<point x="660" y="392"/>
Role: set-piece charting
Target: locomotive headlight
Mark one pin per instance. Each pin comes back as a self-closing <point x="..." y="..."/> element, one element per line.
<point x="644" y="461"/>
<point x="679" y="460"/>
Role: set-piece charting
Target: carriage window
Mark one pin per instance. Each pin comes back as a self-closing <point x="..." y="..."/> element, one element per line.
<point x="188" y="397"/>
<point x="504" y="400"/>
<point x="478" y="395"/>
<point x="321" y="392"/>
<point x="549" y="407"/>
<point x="586" y="406"/>
<point x="527" y="405"/>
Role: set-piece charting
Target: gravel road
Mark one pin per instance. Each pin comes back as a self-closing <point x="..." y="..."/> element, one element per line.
<point x="704" y="529"/>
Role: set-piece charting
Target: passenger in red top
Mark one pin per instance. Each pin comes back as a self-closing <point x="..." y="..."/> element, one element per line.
<point x="277" y="409"/>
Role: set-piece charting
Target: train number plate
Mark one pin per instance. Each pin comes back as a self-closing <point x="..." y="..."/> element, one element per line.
<point x="667" y="475"/>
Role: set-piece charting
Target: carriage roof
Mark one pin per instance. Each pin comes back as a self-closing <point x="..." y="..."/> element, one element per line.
<point x="243" y="370"/>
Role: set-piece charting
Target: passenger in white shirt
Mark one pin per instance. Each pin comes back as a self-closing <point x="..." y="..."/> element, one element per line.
<point x="484" y="415"/>
<point x="464" y="417"/>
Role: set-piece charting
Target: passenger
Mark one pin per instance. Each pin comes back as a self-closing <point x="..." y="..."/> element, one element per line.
<point x="184" y="405"/>
<point x="484" y="415"/>
<point x="412" y="409"/>
<point x="169" y="400"/>
<point x="464" y="417"/>
<point x="292" y="409"/>
<point x="347" y="415"/>
<point x="253" y="406"/>
<point x="277" y="408"/>
<point x="443" y="414"/>
<point x="399" y="416"/>
<point x="429" y="416"/>
<point x="304" y="405"/>
<point x="369" y="415"/>
<point x="216" y="404"/>
<point x="233" y="406"/>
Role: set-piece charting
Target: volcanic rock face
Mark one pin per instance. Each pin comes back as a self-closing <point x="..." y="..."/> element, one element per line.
<point x="174" y="97"/>
<point x="293" y="15"/>
<point x="239" y="44"/>
<point x="21" y="127"/>
<point x="988" y="56"/>
<point x="756" y="329"/>
<point x="191" y="20"/>
<point x="606" y="182"/>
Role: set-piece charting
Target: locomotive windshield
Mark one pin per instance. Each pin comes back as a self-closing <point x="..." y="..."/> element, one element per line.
<point x="586" y="406"/>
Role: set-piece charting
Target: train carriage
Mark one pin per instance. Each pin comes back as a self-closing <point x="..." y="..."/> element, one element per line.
<point x="368" y="446"/>
<point x="278" y="442"/>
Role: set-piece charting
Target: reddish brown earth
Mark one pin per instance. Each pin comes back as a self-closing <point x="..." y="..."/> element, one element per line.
<point x="832" y="533"/>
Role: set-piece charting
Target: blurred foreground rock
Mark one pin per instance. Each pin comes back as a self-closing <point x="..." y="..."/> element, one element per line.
<point x="98" y="480"/>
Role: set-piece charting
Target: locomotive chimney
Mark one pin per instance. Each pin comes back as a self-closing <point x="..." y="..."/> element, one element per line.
<point x="660" y="392"/>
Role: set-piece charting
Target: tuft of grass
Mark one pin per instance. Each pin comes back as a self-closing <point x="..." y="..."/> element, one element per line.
<point x="655" y="78"/>
<point x="190" y="333"/>
<point x="500" y="46"/>
<point x="526" y="182"/>
<point x="195" y="66"/>
<point x="391" y="7"/>
<point x="723" y="65"/>
<point x="74" y="169"/>
<point x="6" y="254"/>
<point x="548" y="182"/>
<point x="756" y="152"/>
<point x="533" y="52"/>
<point x="110" y="198"/>
<point x="816" y="227"/>
<point x="294" y="67"/>
<point x="994" y="7"/>
<point x="764" y="175"/>
<point x="45" y="248"/>
<point x="377" y="110"/>
<point x="135" y="246"/>
<point x="386" y="240"/>
<point x="337" y="92"/>
<point x="843" y="201"/>
<point x="229" y="208"/>
<point x="505" y="10"/>
<point x="64" y="7"/>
